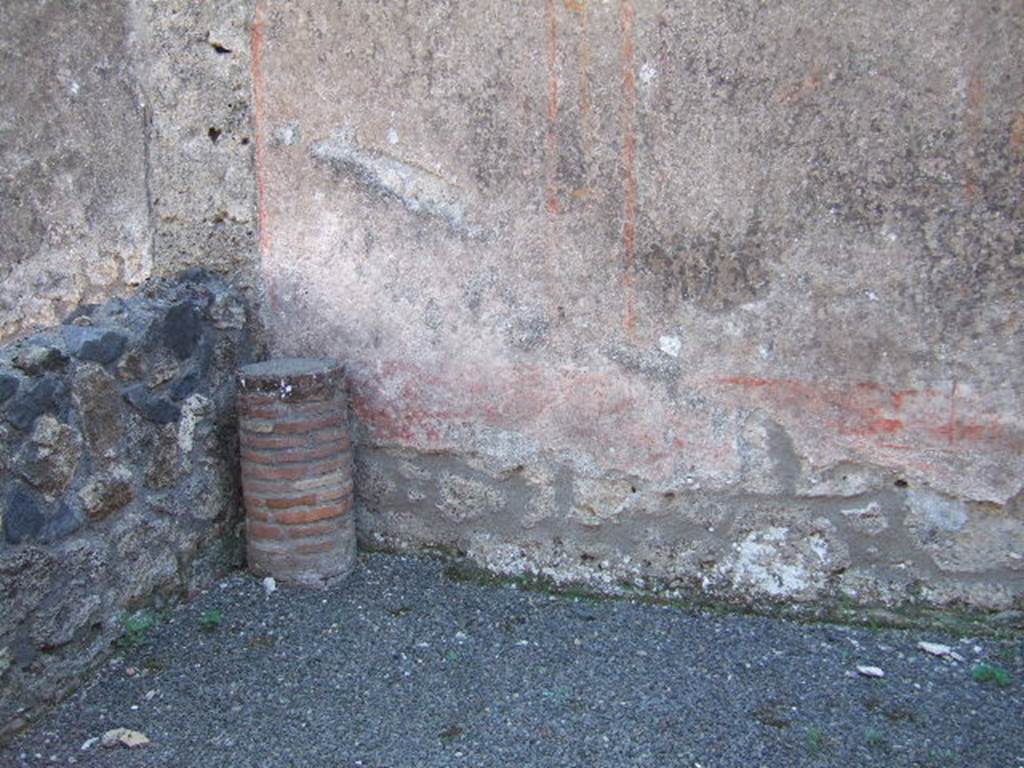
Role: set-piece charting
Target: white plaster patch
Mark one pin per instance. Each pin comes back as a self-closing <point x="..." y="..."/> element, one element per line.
<point x="759" y="562"/>
<point x="419" y="190"/>
<point x="670" y="345"/>
<point x="287" y="135"/>
<point x="648" y="74"/>
<point x="935" y="511"/>
<point x="192" y="411"/>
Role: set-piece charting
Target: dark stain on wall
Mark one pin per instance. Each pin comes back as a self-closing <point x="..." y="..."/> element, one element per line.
<point x="715" y="269"/>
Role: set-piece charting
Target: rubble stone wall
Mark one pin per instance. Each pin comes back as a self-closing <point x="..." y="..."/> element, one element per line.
<point x="118" y="474"/>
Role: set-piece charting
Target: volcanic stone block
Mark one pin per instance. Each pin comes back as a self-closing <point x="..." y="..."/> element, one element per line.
<point x="98" y="345"/>
<point x="44" y="396"/>
<point x="98" y="401"/>
<point x="151" y="407"/>
<point x="36" y="359"/>
<point x="23" y="516"/>
<point x="8" y="386"/>
<point x="49" y="460"/>
<point x="181" y="329"/>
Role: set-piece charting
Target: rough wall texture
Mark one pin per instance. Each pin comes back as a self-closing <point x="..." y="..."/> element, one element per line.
<point x="118" y="474"/>
<point x="718" y="295"/>
<point x="72" y="157"/>
<point x="125" y="149"/>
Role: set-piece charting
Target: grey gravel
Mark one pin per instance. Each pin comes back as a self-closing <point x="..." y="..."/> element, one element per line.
<point x="401" y="666"/>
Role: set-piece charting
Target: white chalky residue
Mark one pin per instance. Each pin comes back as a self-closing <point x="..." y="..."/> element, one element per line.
<point x="191" y="411"/>
<point x="758" y="563"/>
<point x="647" y="74"/>
<point x="670" y="345"/>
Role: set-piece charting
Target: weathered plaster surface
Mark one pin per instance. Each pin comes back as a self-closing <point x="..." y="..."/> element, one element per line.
<point x="125" y="149"/>
<point x="723" y="294"/>
<point x="72" y="157"/>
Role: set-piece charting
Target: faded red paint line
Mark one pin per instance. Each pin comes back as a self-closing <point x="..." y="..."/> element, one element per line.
<point x="258" y="110"/>
<point x="627" y="17"/>
<point x="551" y="142"/>
<point x="928" y="417"/>
<point x="618" y="423"/>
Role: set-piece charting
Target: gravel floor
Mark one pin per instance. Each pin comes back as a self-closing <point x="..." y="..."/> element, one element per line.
<point x="401" y="666"/>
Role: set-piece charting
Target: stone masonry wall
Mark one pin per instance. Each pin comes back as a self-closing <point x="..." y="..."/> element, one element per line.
<point x="118" y="474"/>
<point x="721" y="296"/>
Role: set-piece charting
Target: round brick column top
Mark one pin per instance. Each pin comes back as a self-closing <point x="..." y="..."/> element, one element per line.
<point x="292" y="379"/>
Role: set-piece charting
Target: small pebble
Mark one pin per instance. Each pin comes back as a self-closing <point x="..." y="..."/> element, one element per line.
<point x="870" y="671"/>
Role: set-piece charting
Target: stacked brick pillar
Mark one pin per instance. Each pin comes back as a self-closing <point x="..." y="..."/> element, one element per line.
<point x="296" y="470"/>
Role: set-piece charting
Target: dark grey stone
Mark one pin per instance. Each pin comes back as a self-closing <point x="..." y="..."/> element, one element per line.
<point x="181" y="329"/>
<point x="65" y="521"/>
<point x="8" y="386"/>
<point x="185" y="385"/>
<point x="37" y="359"/>
<point x="23" y="517"/>
<point x="98" y="345"/>
<point x="151" y="407"/>
<point x="45" y="396"/>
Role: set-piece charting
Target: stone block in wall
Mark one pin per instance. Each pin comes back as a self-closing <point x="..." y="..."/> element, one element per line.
<point x="117" y="483"/>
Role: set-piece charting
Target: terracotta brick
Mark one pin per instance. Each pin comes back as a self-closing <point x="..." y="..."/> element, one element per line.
<point x="264" y="531"/>
<point x="293" y="501"/>
<point x="330" y="436"/>
<point x="310" y="530"/>
<point x="293" y="411"/>
<point x="312" y="514"/>
<point x="289" y="487"/>
<point x="296" y="458"/>
<point x="290" y="456"/>
<point x="293" y="471"/>
<point x="319" y="510"/>
<point x="308" y="425"/>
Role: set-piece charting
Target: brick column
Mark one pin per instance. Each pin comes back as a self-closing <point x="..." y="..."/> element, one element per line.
<point x="296" y="470"/>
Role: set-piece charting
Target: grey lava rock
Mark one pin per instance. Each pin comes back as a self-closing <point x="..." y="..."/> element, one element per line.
<point x="44" y="396"/>
<point x="186" y="384"/>
<point x="98" y="345"/>
<point x="181" y="329"/>
<point x="8" y="386"/>
<point x="23" y="517"/>
<point x="35" y="359"/>
<point x="109" y="495"/>
<point x="151" y="407"/>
